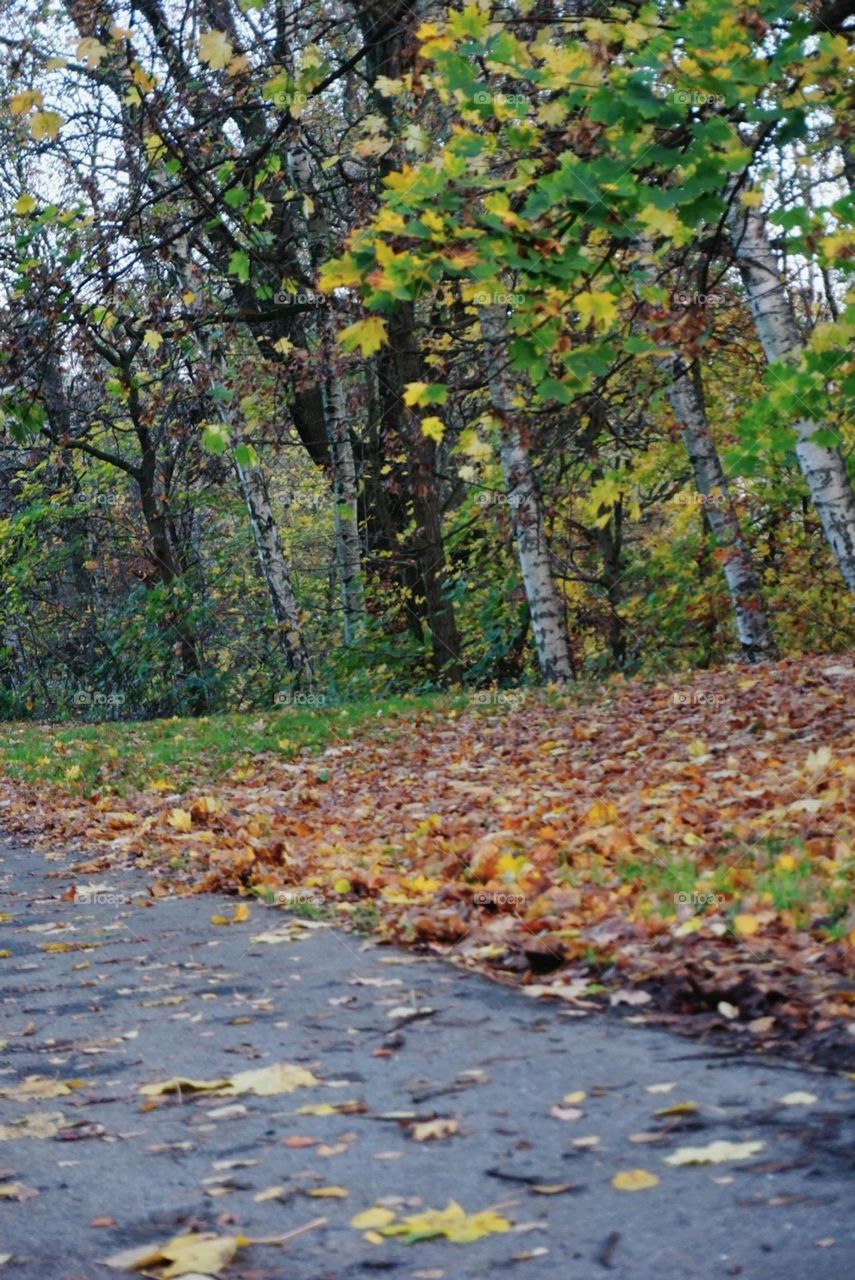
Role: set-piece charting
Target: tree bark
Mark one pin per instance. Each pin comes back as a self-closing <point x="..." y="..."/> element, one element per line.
<point x="256" y="496"/>
<point x="546" y="606"/>
<point x="345" y="492"/>
<point x="823" y="468"/>
<point x="397" y="364"/>
<point x="345" y="486"/>
<point x="685" y="394"/>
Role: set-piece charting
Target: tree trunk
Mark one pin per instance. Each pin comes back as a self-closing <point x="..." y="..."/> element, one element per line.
<point x="752" y="627"/>
<point x="545" y="604"/>
<point x="823" y="468"/>
<point x="345" y="492"/>
<point x="256" y="496"/>
<point x="397" y="364"/>
<point x="334" y="405"/>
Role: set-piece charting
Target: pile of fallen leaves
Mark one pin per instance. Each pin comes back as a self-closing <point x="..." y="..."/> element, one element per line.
<point x="686" y="846"/>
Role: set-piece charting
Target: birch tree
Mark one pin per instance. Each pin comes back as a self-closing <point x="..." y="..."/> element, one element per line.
<point x="822" y="466"/>
<point x="685" y="395"/>
<point x="548" y="620"/>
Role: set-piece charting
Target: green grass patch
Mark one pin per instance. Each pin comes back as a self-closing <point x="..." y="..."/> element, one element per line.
<point x="118" y="757"/>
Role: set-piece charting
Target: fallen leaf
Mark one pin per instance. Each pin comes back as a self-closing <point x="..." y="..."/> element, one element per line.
<point x="38" y="1125"/>
<point x="715" y="1153"/>
<point x="678" y="1109"/>
<point x="452" y="1222"/>
<point x="282" y="1077"/>
<point x="180" y="820"/>
<point x="566" y="1113"/>
<point x="371" y="1219"/>
<point x="39" y="1087"/>
<point x="430" y="1129"/>
<point x="633" y="996"/>
<point x="634" y="1180"/>
<point x="16" y="1191"/>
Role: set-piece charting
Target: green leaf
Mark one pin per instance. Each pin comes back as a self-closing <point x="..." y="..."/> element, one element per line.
<point x="239" y="265"/>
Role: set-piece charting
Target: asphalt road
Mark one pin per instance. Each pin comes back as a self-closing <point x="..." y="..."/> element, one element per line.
<point x="116" y="991"/>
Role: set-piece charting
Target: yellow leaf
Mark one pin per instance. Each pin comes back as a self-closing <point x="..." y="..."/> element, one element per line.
<point x="331" y="1193"/>
<point x="388" y="88"/>
<point x="240" y="913"/>
<point x="368" y="335"/>
<point x="388" y="220"/>
<point x="678" y="1109"/>
<point x="634" y="1180"/>
<point x="433" y="429"/>
<point x="372" y="1218"/>
<point x="414" y="391"/>
<point x="265" y="1082"/>
<point x="601" y="308"/>
<point x="180" y="820"/>
<point x="602" y="813"/>
<point x="342" y="886"/>
<point x="215" y="48"/>
<point x="24" y="204"/>
<point x="153" y="339"/>
<point x="23" y="102"/>
<point x="786" y="862"/>
<point x="198" y="1254"/>
<point x="45" y="124"/>
<point x="40" y="1124"/>
<point x="340" y="274"/>
<point x="746" y="925"/>
<point x="91" y="51"/>
<point x="180" y="1084"/>
<point x="220" y="920"/>
<point x="451" y="1222"/>
<point x="577" y="1096"/>
<point x="663" y="222"/>
<point x="34" y="1087"/>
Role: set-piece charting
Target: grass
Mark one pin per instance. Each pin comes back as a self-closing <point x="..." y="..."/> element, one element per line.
<point x="117" y="757"/>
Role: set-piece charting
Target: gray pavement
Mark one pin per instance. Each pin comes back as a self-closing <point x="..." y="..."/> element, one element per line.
<point x="116" y="990"/>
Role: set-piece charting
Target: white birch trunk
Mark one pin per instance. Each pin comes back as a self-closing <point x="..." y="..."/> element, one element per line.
<point x="823" y="468"/>
<point x="752" y="626"/>
<point x="255" y="492"/>
<point x="545" y="603"/>
<point x="344" y="478"/>
<point x="253" y="487"/>
<point x="345" y="492"/>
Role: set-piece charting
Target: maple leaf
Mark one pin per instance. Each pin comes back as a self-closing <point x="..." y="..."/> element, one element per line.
<point x="45" y="124"/>
<point x="433" y="429"/>
<point x="601" y="308"/>
<point x="215" y="49"/>
<point x="366" y="335"/>
<point x="91" y="51"/>
<point x="21" y="103"/>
